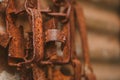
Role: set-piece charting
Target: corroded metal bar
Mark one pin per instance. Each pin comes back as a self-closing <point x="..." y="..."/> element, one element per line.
<point x="38" y="39"/>
<point x="16" y="47"/>
<point x="77" y="69"/>
<point x="38" y="73"/>
<point x="88" y="71"/>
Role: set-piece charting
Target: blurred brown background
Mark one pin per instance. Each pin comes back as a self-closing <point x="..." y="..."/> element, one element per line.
<point x="103" y="27"/>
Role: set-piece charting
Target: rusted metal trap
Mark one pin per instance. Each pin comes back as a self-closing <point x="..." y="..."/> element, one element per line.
<point x="47" y="51"/>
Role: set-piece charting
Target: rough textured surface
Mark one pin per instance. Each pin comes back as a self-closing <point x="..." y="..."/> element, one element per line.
<point x="4" y="40"/>
<point x="38" y="38"/>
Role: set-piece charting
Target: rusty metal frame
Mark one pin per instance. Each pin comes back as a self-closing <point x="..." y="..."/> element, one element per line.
<point x="39" y="51"/>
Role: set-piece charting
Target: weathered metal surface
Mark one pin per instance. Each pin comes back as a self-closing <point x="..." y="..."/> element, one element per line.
<point x="49" y="44"/>
<point x="38" y="39"/>
<point x="4" y="40"/>
<point x="38" y="73"/>
<point x="16" y="45"/>
<point x="54" y="35"/>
